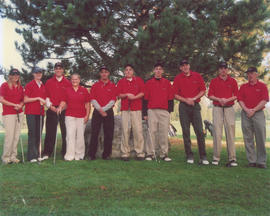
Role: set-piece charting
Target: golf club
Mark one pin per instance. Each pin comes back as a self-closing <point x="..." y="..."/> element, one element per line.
<point x="40" y="137"/>
<point x="55" y="144"/>
<point x="152" y="144"/>
<point x="18" y="117"/>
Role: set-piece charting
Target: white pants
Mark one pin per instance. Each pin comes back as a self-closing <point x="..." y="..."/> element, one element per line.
<point x="75" y="138"/>
<point x="12" y="135"/>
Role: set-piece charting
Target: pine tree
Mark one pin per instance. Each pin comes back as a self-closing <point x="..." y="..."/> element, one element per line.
<point x="86" y="34"/>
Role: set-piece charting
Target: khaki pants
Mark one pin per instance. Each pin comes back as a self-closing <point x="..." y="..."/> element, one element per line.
<point x="224" y="116"/>
<point x="12" y="135"/>
<point x="158" y="122"/>
<point x="75" y="138"/>
<point x="132" y="120"/>
<point x="254" y="127"/>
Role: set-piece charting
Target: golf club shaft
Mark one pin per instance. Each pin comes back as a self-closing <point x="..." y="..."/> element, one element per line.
<point x="151" y="141"/>
<point x="55" y="144"/>
<point x="18" y="117"/>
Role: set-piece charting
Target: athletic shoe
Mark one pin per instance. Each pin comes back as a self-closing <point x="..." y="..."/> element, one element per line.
<point x="148" y="158"/>
<point x="190" y="161"/>
<point x="7" y="162"/>
<point x="167" y="159"/>
<point x="125" y="159"/>
<point x="204" y="162"/>
<point x="78" y="159"/>
<point x="232" y="163"/>
<point x="45" y="157"/>
<point x="33" y="161"/>
<point x="40" y="159"/>
<point x="262" y="166"/>
<point x="252" y="165"/>
<point x="215" y="162"/>
<point x="106" y="158"/>
<point x="15" y="160"/>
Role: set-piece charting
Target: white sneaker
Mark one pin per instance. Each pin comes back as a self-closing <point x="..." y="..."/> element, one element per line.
<point x="167" y="159"/>
<point x="190" y="161"/>
<point x="40" y="159"/>
<point x="33" y="161"/>
<point x="148" y="158"/>
<point x="205" y="162"/>
<point x="45" y="157"/>
<point x="215" y="162"/>
<point x="234" y="164"/>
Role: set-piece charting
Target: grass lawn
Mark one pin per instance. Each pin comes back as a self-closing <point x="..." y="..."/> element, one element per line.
<point x="134" y="188"/>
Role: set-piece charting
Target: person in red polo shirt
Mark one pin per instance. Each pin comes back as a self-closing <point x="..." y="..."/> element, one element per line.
<point x="55" y="89"/>
<point x="158" y="94"/>
<point x="131" y="90"/>
<point x="34" y="99"/>
<point x="189" y="87"/>
<point x="103" y="97"/>
<point x="252" y="97"/>
<point x="11" y="96"/>
<point x="77" y="101"/>
<point x="223" y="92"/>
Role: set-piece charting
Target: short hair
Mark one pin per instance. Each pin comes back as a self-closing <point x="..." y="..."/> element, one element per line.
<point x="158" y="64"/>
<point x="76" y="74"/>
<point x="129" y="65"/>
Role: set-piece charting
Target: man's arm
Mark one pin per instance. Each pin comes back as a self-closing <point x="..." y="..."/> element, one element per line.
<point x="108" y="105"/>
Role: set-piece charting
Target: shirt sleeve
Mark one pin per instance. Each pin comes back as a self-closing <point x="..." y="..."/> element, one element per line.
<point x="235" y="88"/>
<point x="146" y="91"/>
<point x="3" y="90"/>
<point x="119" y="88"/>
<point x="265" y="95"/>
<point x="240" y="95"/>
<point x="114" y="93"/>
<point x="176" y="89"/>
<point x="141" y="85"/>
<point x="28" y="90"/>
<point x="202" y="84"/>
<point x="171" y="91"/>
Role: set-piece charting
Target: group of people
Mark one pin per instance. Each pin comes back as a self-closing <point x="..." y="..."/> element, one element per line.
<point x="69" y="104"/>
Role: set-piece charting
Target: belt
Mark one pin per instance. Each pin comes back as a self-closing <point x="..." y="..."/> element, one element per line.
<point x="223" y="106"/>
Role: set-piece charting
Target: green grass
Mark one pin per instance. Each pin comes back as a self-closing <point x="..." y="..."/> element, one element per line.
<point x="134" y="188"/>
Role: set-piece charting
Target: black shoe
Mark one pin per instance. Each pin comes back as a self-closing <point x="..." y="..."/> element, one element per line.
<point x="252" y="165"/>
<point x="106" y="158"/>
<point x="90" y="158"/>
<point x="125" y="159"/>
<point x="140" y="158"/>
<point x="262" y="166"/>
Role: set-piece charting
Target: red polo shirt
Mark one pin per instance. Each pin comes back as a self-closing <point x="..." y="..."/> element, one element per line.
<point x="13" y="95"/>
<point x="252" y="95"/>
<point x="76" y="101"/>
<point x="188" y="86"/>
<point x="223" y="89"/>
<point x="103" y="93"/>
<point x="158" y="92"/>
<point x="32" y="90"/>
<point x="135" y="86"/>
<point x="56" y="89"/>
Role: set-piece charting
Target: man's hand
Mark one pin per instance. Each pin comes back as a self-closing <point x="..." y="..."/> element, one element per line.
<point x="17" y="107"/>
<point x="190" y="101"/>
<point x="223" y="101"/>
<point x="42" y="101"/>
<point x="250" y="112"/>
<point x="145" y="118"/>
<point x="102" y="112"/>
<point x="130" y="96"/>
<point x="86" y="118"/>
<point x="54" y="109"/>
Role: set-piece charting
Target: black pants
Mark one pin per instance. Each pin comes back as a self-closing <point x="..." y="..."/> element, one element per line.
<point x="51" y="127"/>
<point x="192" y="115"/>
<point x="34" y="131"/>
<point x="108" y="128"/>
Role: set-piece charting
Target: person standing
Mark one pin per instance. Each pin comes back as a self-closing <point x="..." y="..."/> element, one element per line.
<point x="34" y="99"/>
<point x="252" y="97"/>
<point x="103" y="97"/>
<point x="158" y="94"/>
<point x="189" y="87"/>
<point x="223" y="92"/>
<point x="130" y="90"/>
<point x="55" y="89"/>
<point x="11" y="96"/>
<point x="77" y="101"/>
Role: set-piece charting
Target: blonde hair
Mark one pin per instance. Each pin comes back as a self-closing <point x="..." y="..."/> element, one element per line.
<point x="10" y="83"/>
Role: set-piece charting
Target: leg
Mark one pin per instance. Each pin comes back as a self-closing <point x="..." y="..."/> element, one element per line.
<point x="198" y="128"/>
<point x="136" y="124"/>
<point x="185" y="120"/>
<point x="153" y="129"/>
<point x="17" y="133"/>
<point x="126" y="123"/>
<point x="71" y="138"/>
<point x="218" y="117"/>
<point x="248" y="135"/>
<point x="80" y="145"/>
<point x="9" y="125"/>
<point x="95" y="128"/>
<point x="108" y="127"/>
<point x="229" y="124"/>
<point x="51" y="125"/>
<point x="32" y="152"/>
<point x="63" y="132"/>
<point x="163" y="128"/>
<point x="260" y="136"/>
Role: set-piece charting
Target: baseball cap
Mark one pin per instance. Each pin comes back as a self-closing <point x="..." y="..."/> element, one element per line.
<point x="251" y="69"/>
<point x="184" y="61"/>
<point x="58" y="64"/>
<point x="103" y="68"/>
<point x="37" y="70"/>
<point x="14" y="71"/>
<point x="223" y="65"/>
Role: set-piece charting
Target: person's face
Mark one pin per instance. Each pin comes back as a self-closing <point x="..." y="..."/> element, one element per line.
<point x="185" y="68"/>
<point x="129" y="72"/>
<point x="59" y="71"/>
<point x="252" y="76"/>
<point x="223" y="72"/>
<point x="75" y="80"/>
<point x="37" y="76"/>
<point x="14" y="78"/>
<point x="158" y="71"/>
<point x="104" y="74"/>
